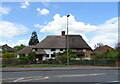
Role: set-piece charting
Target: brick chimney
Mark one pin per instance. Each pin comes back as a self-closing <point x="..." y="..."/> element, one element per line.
<point x="63" y="33"/>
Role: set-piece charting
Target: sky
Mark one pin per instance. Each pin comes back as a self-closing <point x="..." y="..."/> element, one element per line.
<point x="96" y="22"/>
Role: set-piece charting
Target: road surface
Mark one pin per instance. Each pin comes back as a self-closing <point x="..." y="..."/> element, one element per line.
<point x="103" y="76"/>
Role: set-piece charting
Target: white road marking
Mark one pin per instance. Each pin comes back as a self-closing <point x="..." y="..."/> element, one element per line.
<point x="114" y="81"/>
<point x="18" y="79"/>
<point x="72" y="75"/>
<point x="80" y="75"/>
<point x="45" y="77"/>
<point x="34" y="79"/>
<point x="22" y="79"/>
<point x="97" y="74"/>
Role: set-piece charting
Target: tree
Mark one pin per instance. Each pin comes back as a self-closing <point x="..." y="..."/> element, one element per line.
<point x="23" y="60"/>
<point x="99" y="45"/>
<point x="117" y="47"/>
<point x="32" y="57"/>
<point x="62" y="57"/>
<point x="9" y="59"/>
<point x="19" y="47"/>
<point x="34" y="39"/>
<point x="8" y="55"/>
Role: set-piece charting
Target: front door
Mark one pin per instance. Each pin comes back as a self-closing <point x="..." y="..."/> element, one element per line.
<point x="39" y="57"/>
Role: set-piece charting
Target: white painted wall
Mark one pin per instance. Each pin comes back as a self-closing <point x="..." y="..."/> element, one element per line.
<point x="48" y="51"/>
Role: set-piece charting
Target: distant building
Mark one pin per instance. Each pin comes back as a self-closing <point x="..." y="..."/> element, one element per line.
<point x="103" y="49"/>
<point x="6" y="48"/>
<point x="51" y="45"/>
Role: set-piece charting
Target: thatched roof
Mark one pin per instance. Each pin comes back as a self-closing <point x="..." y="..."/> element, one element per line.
<point x="40" y="51"/>
<point x="28" y="49"/>
<point x="25" y="50"/>
<point x="74" y="42"/>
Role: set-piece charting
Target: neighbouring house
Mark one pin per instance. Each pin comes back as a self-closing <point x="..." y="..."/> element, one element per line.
<point x="7" y="48"/>
<point x="53" y="44"/>
<point x="103" y="49"/>
<point x="24" y="51"/>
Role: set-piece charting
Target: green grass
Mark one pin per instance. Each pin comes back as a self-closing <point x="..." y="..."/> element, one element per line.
<point x="40" y="66"/>
<point x="0" y="65"/>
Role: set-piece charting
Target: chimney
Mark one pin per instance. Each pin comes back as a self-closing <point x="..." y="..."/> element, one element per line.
<point x="63" y="33"/>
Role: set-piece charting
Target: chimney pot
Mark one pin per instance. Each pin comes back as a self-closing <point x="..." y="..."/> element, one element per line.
<point x="63" y="33"/>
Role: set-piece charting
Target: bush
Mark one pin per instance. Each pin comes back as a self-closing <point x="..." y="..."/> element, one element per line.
<point x="23" y="60"/>
<point x="10" y="62"/>
<point x="32" y="57"/>
<point x="8" y="55"/>
<point x="9" y="59"/>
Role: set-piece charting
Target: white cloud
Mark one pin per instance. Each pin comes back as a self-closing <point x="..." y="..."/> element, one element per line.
<point x="24" y="42"/>
<point x="60" y="23"/>
<point x="38" y="25"/>
<point x="9" y="29"/>
<point x="4" y="10"/>
<point x="42" y="11"/>
<point x="107" y="33"/>
<point x="25" y="4"/>
<point x="19" y="42"/>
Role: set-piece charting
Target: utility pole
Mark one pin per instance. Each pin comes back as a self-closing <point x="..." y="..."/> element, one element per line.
<point x="67" y="45"/>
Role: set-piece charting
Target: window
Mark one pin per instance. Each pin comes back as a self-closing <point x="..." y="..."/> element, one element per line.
<point x="80" y="55"/>
<point x="47" y="55"/>
<point x="52" y="49"/>
<point x="84" y="50"/>
<point x="87" y="56"/>
<point x="61" y="49"/>
<point x="52" y="55"/>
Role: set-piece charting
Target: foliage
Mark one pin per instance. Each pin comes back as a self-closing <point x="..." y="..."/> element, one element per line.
<point x="32" y="57"/>
<point x="23" y="60"/>
<point x="10" y="62"/>
<point x="62" y="58"/>
<point x="110" y="55"/>
<point x="34" y="39"/>
<point x="19" y="47"/>
<point x="39" y="65"/>
<point x="8" y="55"/>
<point x="9" y="59"/>
<point x="118" y="56"/>
<point x="99" y="45"/>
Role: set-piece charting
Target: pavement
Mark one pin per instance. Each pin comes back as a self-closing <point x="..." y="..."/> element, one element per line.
<point x="17" y="69"/>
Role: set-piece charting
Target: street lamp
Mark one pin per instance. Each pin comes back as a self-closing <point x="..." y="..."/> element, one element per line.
<point x="67" y="42"/>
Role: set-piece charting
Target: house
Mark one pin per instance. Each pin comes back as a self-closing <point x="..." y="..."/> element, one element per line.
<point x="7" y="48"/>
<point x="103" y="49"/>
<point x="53" y="44"/>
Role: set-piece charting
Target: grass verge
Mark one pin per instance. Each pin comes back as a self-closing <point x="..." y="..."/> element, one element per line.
<point x="40" y="66"/>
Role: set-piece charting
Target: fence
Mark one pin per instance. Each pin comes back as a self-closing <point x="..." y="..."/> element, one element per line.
<point x="93" y="62"/>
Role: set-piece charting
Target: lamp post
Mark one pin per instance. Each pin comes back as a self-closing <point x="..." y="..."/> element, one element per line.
<point x="67" y="42"/>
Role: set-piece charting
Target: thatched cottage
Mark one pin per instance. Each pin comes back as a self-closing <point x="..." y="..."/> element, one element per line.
<point x="53" y="44"/>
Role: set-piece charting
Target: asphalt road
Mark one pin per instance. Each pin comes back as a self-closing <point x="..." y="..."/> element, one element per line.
<point x="103" y="76"/>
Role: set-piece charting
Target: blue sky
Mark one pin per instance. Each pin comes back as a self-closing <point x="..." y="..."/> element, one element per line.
<point x="95" y="21"/>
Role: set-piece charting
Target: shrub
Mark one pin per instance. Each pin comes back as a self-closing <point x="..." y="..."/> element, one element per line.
<point x="32" y="57"/>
